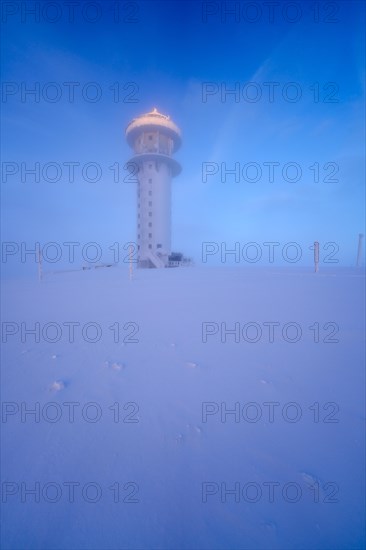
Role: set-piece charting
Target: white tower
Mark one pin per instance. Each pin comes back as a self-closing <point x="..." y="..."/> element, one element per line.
<point x="154" y="138"/>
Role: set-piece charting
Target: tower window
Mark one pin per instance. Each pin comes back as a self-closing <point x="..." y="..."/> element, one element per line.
<point x="150" y="235"/>
<point x="150" y="137"/>
<point x="150" y="224"/>
<point x="150" y="245"/>
<point x="159" y="246"/>
<point x="150" y="193"/>
<point x="150" y="165"/>
<point x="150" y="180"/>
<point x="150" y="214"/>
<point x="150" y="203"/>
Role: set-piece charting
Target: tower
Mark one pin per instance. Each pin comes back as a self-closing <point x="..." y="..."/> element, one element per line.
<point x="154" y="138"/>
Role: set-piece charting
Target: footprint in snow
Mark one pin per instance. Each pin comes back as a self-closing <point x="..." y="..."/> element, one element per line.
<point x="114" y="365"/>
<point x="309" y="479"/>
<point x="269" y="527"/>
<point x="192" y="432"/>
<point x="58" y="385"/>
<point x="179" y="439"/>
<point x="195" y="429"/>
<point x="316" y="487"/>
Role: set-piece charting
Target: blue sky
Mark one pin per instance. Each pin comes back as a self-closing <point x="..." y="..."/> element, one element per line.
<point x="163" y="58"/>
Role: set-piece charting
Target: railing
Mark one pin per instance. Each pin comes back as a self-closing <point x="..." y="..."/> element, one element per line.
<point x="152" y="149"/>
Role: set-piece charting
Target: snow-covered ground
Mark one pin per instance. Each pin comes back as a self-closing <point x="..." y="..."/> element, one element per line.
<point x="166" y="463"/>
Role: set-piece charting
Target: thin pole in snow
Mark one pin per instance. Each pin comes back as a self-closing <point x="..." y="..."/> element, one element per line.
<point x="359" y="250"/>
<point x="130" y="263"/>
<point x="39" y="263"/>
<point x="316" y="256"/>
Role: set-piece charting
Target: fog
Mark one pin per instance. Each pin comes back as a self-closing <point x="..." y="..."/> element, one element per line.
<point x="217" y="402"/>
